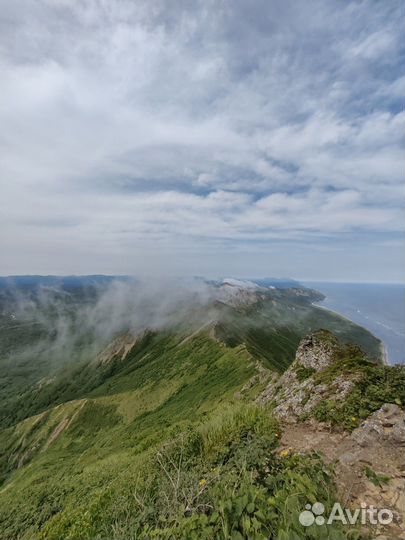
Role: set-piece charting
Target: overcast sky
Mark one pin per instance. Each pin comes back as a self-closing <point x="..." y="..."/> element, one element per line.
<point x="240" y="137"/>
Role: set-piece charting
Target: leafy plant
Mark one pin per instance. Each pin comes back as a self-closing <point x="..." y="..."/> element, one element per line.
<point x="378" y="480"/>
<point x="303" y="372"/>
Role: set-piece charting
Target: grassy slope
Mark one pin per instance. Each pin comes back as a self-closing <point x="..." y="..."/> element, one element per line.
<point x="272" y="329"/>
<point x="75" y="470"/>
<point x="160" y="449"/>
<point x="163" y="385"/>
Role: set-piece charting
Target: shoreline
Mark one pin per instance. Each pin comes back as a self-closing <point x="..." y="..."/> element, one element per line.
<point x="383" y="347"/>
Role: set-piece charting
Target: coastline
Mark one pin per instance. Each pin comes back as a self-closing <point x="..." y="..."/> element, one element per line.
<point x="383" y="347"/>
<point x="335" y="313"/>
<point x="377" y="307"/>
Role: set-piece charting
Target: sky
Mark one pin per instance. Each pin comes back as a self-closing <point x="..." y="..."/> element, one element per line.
<point x="227" y="137"/>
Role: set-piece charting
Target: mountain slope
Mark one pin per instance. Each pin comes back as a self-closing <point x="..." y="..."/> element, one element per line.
<point x="164" y="385"/>
<point x="55" y="363"/>
<point x="173" y="421"/>
<point x="167" y="429"/>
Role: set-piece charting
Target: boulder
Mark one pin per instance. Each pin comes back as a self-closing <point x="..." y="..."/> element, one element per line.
<point x="387" y="425"/>
<point x="317" y="351"/>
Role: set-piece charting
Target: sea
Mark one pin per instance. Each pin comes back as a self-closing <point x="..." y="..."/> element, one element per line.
<point x="378" y="307"/>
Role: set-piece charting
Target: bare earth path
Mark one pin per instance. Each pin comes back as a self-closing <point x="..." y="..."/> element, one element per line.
<point x="378" y="445"/>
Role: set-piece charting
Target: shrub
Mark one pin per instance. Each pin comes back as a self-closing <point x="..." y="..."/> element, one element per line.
<point x="374" y="386"/>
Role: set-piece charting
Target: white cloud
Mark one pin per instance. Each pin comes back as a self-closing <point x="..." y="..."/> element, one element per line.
<point x="124" y="123"/>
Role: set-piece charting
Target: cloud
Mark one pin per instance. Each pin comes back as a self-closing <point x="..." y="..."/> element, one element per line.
<point x="129" y="129"/>
<point x="68" y="326"/>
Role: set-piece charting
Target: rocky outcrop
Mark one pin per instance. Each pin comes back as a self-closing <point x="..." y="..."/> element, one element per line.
<point x="387" y="425"/>
<point x="317" y="350"/>
<point x="119" y="347"/>
<point x="367" y="462"/>
<point x="296" y="392"/>
<point x="238" y="294"/>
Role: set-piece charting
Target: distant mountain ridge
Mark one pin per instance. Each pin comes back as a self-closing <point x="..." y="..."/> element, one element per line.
<point x="66" y="282"/>
<point x="56" y="330"/>
<point x="35" y="280"/>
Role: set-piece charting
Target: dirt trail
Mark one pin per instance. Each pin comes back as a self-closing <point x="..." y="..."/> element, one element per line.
<point x="378" y="445"/>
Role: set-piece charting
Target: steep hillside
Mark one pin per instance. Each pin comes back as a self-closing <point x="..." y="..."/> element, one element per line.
<point x="167" y="442"/>
<point x="130" y="415"/>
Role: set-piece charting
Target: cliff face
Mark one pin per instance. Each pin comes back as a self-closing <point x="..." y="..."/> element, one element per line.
<point x="298" y="391"/>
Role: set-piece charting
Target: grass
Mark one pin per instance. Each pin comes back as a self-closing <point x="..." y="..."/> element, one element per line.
<point x="303" y="372"/>
<point x="269" y="330"/>
<point x="220" y="479"/>
<point x="374" y="385"/>
<point x="162" y="389"/>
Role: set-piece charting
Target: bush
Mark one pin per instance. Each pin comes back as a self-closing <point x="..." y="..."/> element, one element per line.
<point x="374" y="386"/>
<point x="303" y="372"/>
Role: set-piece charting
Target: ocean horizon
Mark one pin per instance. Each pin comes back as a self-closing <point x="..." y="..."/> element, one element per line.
<point x="379" y="307"/>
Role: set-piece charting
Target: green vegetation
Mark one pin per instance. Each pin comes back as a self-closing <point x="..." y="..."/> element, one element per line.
<point x="221" y="478"/>
<point x="303" y="372"/>
<point x="36" y="375"/>
<point x="161" y="449"/>
<point x="272" y="329"/>
<point x="163" y="443"/>
<point x="378" y="480"/>
<point x="374" y="385"/>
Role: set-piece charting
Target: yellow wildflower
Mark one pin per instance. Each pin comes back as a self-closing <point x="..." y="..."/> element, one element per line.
<point x="202" y="483"/>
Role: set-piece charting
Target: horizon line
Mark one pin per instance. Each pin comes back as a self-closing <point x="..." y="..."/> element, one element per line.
<point x="301" y="280"/>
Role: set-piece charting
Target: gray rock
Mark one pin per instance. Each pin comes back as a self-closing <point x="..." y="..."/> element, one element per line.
<point x="294" y="397"/>
<point x="317" y="351"/>
<point x="387" y="425"/>
<point x="348" y="458"/>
